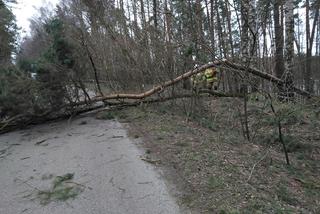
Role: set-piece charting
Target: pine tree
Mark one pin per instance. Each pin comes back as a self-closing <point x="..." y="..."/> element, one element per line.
<point x="8" y="34"/>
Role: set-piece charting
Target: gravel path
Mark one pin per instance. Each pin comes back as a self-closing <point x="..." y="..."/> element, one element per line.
<point x="104" y="161"/>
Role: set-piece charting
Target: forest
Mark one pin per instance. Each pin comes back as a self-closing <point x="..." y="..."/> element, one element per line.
<point x="140" y="57"/>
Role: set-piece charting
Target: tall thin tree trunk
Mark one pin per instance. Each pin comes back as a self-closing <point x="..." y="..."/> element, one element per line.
<point x="244" y="30"/>
<point x="309" y="42"/>
<point x="155" y="14"/>
<point x="220" y="33"/>
<point x="245" y="59"/>
<point x="318" y="38"/>
<point x="278" y="30"/>
<point x="199" y="28"/>
<point x="212" y="33"/>
<point x="135" y="19"/>
<point x="307" y="75"/>
<point x="289" y="50"/>
<point x="210" y="26"/>
<point x="229" y="28"/>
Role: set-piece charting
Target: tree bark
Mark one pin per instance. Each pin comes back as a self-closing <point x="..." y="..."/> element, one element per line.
<point x="307" y="75"/>
<point x="220" y="32"/>
<point x="278" y="30"/>
<point x="289" y="51"/>
<point x="212" y="33"/>
<point x="155" y="14"/>
<point x="309" y="43"/>
<point x="229" y="29"/>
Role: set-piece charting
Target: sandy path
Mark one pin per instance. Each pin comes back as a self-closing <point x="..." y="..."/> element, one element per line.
<point x="101" y="157"/>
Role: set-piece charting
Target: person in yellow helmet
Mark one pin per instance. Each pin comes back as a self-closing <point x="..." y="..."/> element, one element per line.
<point x="211" y="78"/>
<point x="207" y="79"/>
<point x="198" y="81"/>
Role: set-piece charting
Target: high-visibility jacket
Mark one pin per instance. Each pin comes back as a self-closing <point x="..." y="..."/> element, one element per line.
<point x="211" y="75"/>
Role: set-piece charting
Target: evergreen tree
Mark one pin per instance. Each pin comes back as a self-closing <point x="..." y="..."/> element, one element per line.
<point x="8" y="33"/>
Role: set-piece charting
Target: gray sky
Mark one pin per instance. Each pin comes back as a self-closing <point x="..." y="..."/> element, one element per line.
<point x="26" y="9"/>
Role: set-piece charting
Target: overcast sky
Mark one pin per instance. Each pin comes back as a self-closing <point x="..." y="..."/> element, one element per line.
<point x="26" y="9"/>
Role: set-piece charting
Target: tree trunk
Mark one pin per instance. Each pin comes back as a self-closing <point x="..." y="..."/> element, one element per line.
<point x="229" y="29"/>
<point x="220" y="32"/>
<point x="307" y="75"/>
<point x="155" y="14"/>
<point x="212" y="33"/>
<point x="245" y="60"/>
<point x="278" y="30"/>
<point x="199" y="30"/>
<point x="318" y="37"/>
<point x="309" y="42"/>
<point x="289" y="50"/>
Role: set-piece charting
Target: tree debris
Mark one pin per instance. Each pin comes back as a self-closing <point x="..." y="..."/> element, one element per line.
<point x="149" y="160"/>
<point x="40" y="142"/>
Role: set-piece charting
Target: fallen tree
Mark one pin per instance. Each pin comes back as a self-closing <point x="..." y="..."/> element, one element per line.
<point x="155" y="89"/>
<point x="23" y="120"/>
<point x="223" y="63"/>
<point x="75" y="108"/>
<point x="199" y="94"/>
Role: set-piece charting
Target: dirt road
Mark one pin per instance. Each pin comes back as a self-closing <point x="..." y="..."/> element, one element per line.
<point x="106" y="166"/>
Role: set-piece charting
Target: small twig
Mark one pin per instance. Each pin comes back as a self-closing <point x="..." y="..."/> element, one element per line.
<point x="150" y="160"/>
<point x="254" y="166"/>
<point x="78" y="184"/>
<point x="40" y="142"/>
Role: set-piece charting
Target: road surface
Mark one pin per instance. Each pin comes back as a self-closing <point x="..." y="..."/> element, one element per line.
<point x="104" y="161"/>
